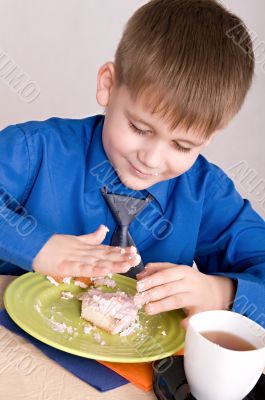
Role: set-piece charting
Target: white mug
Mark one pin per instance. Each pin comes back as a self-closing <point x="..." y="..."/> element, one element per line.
<point x="215" y="372"/>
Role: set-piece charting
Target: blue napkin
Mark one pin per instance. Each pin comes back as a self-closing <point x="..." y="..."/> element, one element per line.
<point x="90" y="371"/>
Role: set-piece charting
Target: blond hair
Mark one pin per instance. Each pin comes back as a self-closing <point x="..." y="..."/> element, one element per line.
<point x="191" y="61"/>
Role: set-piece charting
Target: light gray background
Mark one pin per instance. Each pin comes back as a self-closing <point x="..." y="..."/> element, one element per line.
<point x="61" y="44"/>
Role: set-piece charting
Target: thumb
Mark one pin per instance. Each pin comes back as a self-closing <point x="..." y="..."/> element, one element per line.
<point x="189" y="313"/>
<point x="96" y="237"/>
<point x="184" y="323"/>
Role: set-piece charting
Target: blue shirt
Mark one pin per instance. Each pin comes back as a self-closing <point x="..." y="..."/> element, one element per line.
<point x="51" y="173"/>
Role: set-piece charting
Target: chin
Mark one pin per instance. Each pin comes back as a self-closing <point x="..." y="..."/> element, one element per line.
<point x="134" y="185"/>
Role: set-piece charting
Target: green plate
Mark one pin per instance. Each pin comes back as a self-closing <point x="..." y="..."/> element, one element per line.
<point x="36" y="306"/>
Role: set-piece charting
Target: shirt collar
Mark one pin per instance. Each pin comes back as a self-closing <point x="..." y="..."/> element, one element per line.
<point x="99" y="171"/>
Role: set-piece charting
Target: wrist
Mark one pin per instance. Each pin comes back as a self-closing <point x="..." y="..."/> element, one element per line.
<point x="224" y="292"/>
<point x="43" y="254"/>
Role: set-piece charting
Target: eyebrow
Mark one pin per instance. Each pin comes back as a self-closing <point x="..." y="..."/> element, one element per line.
<point x="135" y="118"/>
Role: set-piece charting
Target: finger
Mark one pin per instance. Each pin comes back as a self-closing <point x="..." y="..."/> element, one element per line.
<point x="181" y="300"/>
<point x="115" y="267"/>
<point x="84" y="248"/>
<point x="88" y="270"/>
<point x="122" y="265"/>
<point x="116" y="263"/>
<point x="100" y="269"/>
<point x="107" y="253"/>
<point x="158" y="292"/>
<point x="88" y="256"/>
<point x="97" y="237"/>
<point x="159" y="278"/>
<point x="151" y="268"/>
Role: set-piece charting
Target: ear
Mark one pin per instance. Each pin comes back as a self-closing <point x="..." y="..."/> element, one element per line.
<point x="105" y="82"/>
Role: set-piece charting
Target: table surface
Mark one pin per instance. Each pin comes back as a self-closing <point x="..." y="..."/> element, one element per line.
<point x="25" y="372"/>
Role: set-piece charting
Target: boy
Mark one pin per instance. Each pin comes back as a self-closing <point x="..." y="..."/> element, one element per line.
<point x="177" y="79"/>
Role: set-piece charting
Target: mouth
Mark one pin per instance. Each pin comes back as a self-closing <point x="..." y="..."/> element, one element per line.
<point x="139" y="173"/>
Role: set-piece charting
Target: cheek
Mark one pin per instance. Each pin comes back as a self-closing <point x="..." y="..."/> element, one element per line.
<point x="117" y="139"/>
<point x="180" y="163"/>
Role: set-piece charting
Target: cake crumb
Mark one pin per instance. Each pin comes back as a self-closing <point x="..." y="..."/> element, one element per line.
<point x="131" y="329"/>
<point x="52" y="280"/>
<point x="67" y="280"/>
<point x="66" y="295"/>
<point x="88" y="328"/>
<point x="106" y="228"/>
<point x="37" y="307"/>
<point x="110" y="283"/>
<point x="81" y="284"/>
<point x="69" y="329"/>
<point x="97" y="337"/>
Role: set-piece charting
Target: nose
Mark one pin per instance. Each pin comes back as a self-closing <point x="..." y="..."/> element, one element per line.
<point x="151" y="157"/>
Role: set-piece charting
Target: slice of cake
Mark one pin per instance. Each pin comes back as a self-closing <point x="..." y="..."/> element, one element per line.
<point x="113" y="312"/>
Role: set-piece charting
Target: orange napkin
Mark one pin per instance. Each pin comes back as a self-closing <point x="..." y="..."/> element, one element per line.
<point x="140" y="374"/>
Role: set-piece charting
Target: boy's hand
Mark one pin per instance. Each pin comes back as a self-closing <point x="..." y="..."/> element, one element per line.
<point x="166" y="286"/>
<point x="83" y="256"/>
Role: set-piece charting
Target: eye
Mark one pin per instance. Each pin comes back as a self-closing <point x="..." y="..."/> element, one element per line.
<point x="141" y="132"/>
<point x="135" y="129"/>
<point x="181" y="148"/>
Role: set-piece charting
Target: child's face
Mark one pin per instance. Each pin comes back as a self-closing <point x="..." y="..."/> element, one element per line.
<point x="140" y="146"/>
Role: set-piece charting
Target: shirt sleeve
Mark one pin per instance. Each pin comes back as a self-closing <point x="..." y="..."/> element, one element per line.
<point x="21" y="236"/>
<point x="231" y="243"/>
